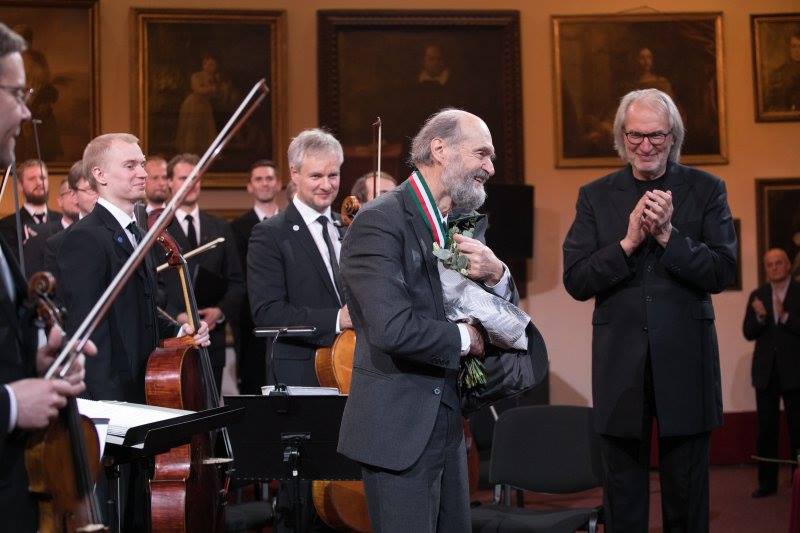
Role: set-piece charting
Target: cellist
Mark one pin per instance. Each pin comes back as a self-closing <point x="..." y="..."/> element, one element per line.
<point x="26" y="402"/>
<point x="92" y="253"/>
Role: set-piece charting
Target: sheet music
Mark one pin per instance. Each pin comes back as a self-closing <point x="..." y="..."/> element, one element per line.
<point x="122" y="416"/>
<point x="293" y="390"/>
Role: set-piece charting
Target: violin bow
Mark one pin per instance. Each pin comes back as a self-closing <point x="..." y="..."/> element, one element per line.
<point x="377" y="133"/>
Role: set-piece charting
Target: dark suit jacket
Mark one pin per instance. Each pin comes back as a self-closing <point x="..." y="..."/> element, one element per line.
<point x="8" y="226"/>
<point x="664" y="307"/>
<point x="405" y="346"/>
<point x="242" y="229"/>
<point x="17" y="361"/>
<point x="288" y="285"/>
<point x="92" y="253"/>
<point x="35" y="249"/>
<point x="223" y="262"/>
<point x="776" y="344"/>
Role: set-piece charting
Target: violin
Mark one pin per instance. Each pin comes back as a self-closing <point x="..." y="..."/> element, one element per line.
<point x="63" y="460"/>
<point x="189" y="489"/>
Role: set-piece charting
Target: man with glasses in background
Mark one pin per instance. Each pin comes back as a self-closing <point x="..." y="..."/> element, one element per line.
<point x="651" y="243"/>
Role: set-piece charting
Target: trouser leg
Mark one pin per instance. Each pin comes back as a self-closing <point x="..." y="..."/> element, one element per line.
<point x="683" y="467"/>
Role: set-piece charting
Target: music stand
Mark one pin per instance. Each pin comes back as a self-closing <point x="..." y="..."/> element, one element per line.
<point x="148" y="440"/>
<point x="290" y="437"/>
<point x="275" y="332"/>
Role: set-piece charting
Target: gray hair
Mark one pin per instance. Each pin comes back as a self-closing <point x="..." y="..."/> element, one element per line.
<point x="444" y="125"/>
<point x="655" y="100"/>
<point x="313" y="141"/>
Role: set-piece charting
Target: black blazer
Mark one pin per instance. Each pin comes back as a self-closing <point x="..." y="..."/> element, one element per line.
<point x="35" y="249"/>
<point x="289" y="285"/>
<point x="17" y="361"/>
<point x="242" y="229"/>
<point x="776" y="344"/>
<point x="405" y="345"/>
<point x="665" y="307"/>
<point x="8" y="225"/>
<point x="92" y="253"/>
<point x="223" y="262"/>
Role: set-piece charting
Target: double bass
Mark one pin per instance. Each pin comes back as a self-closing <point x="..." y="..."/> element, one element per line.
<point x="189" y="488"/>
<point x="63" y="460"/>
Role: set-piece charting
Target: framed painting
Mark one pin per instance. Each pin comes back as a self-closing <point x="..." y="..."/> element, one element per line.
<point x="597" y="59"/>
<point x="776" y="66"/>
<point x="778" y="220"/>
<point x="404" y="66"/>
<point x="62" y="67"/>
<point x="193" y="68"/>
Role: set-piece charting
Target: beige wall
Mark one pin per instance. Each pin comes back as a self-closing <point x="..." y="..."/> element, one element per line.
<point x="756" y="150"/>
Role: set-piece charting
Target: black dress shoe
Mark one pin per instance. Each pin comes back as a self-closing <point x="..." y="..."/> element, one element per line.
<point x="761" y="492"/>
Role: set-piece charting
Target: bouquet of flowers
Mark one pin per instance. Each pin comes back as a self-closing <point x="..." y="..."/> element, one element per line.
<point x="466" y="301"/>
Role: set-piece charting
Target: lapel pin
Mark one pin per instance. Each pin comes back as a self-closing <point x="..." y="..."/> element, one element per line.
<point x="119" y="239"/>
<point x="296" y="227"/>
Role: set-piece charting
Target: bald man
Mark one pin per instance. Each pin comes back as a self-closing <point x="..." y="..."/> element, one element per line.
<point x="772" y="320"/>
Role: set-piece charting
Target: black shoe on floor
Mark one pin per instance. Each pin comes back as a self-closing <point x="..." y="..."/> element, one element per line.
<point x="761" y="492"/>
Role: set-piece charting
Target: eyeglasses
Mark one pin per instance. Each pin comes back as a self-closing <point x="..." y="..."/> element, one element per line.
<point x="21" y="94"/>
<point x="655" y="138"/>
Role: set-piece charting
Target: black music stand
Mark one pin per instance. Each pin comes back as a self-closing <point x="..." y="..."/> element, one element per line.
<point x="290" y="437"/>
<point x="275" y="332"/>
<point x="148" y="440"/>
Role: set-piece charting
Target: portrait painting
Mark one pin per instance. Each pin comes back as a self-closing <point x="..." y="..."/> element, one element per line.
<point x="62" y="68"/>
<point x="776" y="66"/>
<point x="403" y="66"/>
<point x="597" y="59"/>
<point x="194" y="68"/>
<point x="778" y="219"/>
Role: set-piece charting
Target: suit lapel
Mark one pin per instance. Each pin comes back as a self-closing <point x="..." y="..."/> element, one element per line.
<point x="677" y="184"/>
<point x="425" y="242"/>
<point x="624" y="194"/>
<point x="6" y="304"/>
<point x="299" y="233"/>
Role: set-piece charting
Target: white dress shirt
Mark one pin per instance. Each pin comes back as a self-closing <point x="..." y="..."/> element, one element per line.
<point x="310" y="216"/>
<point x="779" y="291"/>
<point x="123" y="218"/>
<point x="263" y="215"/>
<point x="180" y="216"/>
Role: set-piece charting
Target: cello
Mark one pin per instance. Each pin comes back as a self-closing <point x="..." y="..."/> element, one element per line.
<point x="63" y="460"/>
<point x="189" y="488"/>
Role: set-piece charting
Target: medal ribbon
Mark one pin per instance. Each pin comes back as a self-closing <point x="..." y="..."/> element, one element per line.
<point x="427" y="207"/>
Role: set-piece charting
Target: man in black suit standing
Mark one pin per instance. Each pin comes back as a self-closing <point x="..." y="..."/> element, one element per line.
<point x="403" y="415"/>
<point x="772" y="319"/>
<point x="650" y="243"/>
<point x="293" y="260"/>
<point x="264" y="186"/>
<point x="92" y="253"/>
<point x="26" y="402"/>
<point x="217" y="273"/>
<point x="36" y="246"/>
<point x="34" y="213"/>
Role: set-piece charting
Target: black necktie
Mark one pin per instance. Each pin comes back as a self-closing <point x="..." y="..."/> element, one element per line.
<point x="323" y="220"/>
<point x="137" y="233"/>
<point x="39" y="218"/>
<point x="191" y="234"/>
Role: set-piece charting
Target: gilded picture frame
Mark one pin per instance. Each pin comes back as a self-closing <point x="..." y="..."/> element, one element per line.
<point x="62" y="67"/>
<point x="778" y="220"/>
<point x="404" y="65"/>
<point x="599" y="58"/>
<point x="192" y="69"/>
<point x="776" y="66"/>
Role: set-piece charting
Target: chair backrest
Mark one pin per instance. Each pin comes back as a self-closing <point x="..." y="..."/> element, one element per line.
<point x="546" y="448"/>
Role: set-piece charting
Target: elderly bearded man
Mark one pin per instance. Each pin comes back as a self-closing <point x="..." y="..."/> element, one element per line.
<point x="402" y="421"/>
<point x="651" y="243"/>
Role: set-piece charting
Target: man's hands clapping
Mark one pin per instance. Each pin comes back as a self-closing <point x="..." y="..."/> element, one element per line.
<point x="652" y="215"/>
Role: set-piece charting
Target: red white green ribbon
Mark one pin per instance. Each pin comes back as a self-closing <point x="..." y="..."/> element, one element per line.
<point x="427" y="207"/>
